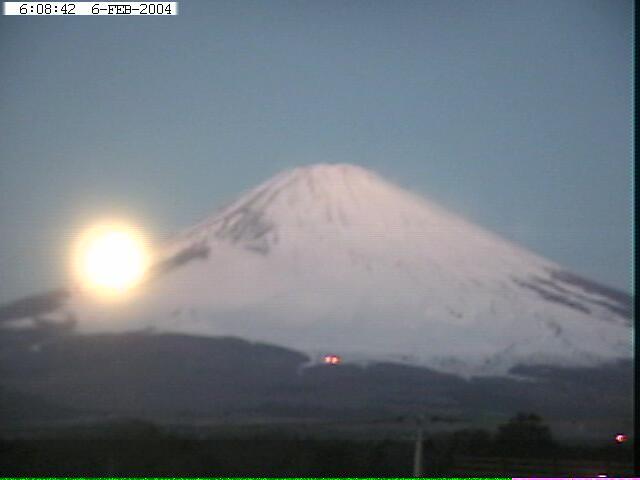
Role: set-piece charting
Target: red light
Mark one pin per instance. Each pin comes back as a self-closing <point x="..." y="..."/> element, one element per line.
<point x="332" y="359"/>
<point x="621" y="438"/>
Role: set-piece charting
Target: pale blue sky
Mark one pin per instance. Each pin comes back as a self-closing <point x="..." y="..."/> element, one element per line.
<point x="515" y="114"/>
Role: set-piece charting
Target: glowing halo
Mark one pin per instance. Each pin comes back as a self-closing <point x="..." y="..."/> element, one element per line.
<point x="110" y="259"/>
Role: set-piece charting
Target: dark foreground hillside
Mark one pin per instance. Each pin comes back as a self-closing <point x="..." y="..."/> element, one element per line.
<point x="228" y="407"/>
<point x="48" y="378"/>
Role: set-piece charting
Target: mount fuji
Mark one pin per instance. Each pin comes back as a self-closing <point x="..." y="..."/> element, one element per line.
<point x="334" y="259"/>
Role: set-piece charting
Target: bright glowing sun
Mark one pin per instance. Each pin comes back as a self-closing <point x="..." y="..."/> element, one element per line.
<point x="111" y="258"/>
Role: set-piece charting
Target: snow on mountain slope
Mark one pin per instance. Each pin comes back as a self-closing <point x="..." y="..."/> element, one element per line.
<point x="334" y="259"/>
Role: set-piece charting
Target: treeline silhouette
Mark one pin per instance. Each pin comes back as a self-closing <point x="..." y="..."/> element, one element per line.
<point x="136" y="448"/>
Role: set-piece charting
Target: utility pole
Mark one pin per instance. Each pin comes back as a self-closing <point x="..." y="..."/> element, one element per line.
<point x="417" y="454"/>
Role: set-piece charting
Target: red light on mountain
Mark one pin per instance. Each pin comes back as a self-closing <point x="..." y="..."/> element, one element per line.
<point x="332" y="359"/>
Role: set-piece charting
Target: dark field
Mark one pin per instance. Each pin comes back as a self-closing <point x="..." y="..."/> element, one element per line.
<point x="143" y="449"/>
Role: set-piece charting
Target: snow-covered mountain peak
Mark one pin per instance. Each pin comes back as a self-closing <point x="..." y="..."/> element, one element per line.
<point x="322" y="188"/>
<point x="336" y="259"/>
<point x="349" y="206"/>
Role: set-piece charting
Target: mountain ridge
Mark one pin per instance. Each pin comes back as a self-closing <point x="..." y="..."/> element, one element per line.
<point x="335" y="259"/>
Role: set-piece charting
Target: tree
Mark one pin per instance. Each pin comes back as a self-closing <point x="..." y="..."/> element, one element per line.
<point x="524" y="434"/>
